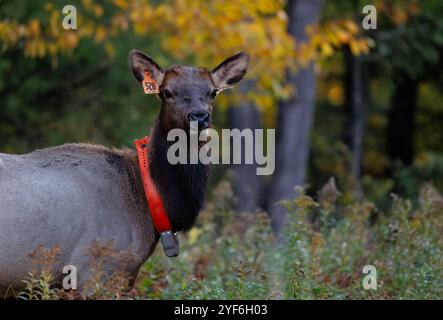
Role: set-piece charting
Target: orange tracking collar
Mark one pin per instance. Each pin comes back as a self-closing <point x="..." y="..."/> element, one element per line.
<point x="155" y="202"/>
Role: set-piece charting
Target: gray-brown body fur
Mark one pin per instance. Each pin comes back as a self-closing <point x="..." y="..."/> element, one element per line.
<point x="71" y="196"/>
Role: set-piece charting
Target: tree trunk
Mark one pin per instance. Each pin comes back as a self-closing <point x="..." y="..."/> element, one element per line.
<point x="400" y="133"/>
<point x="355" y="112"/>
<point x="245" y="182"/>
<point x="295" y="118"/>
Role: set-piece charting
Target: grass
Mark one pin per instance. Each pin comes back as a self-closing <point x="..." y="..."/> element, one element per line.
<point x="327" y="242"/>
<point x="325" y="246"/>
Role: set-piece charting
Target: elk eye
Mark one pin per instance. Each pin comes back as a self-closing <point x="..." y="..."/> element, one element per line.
<point x="167" y="94"/>
<point x="213" y="94"/>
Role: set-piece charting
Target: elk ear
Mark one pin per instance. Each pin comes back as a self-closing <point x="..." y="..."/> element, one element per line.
<point x="230" y="71"/>
<point x="140" y="62"/>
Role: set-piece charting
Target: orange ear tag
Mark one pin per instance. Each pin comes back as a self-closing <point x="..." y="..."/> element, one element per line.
<point x="150" y="86"/>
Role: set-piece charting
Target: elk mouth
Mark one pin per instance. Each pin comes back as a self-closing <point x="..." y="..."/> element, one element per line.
<point x="193" y="130"/>
<point x="199" y="120"/>
<point x="200" y="134"/>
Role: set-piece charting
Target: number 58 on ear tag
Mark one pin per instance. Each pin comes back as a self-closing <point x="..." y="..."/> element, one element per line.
<point x="150" y="86"/>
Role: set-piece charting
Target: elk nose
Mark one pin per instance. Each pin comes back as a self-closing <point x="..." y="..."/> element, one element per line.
<point x="202" y="119"/>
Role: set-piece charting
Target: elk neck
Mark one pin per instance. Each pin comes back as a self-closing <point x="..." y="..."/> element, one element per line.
<point x="182" y="187"/>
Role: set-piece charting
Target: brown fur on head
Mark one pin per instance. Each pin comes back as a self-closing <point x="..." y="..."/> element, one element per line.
<point x="187" y="93"/>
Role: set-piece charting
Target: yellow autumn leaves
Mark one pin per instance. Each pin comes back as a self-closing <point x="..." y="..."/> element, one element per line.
<point x="37" y="38"/>
<point x="194" y="31"/>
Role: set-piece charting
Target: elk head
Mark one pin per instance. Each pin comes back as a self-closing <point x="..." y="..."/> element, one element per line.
<point x="188" y="93"/>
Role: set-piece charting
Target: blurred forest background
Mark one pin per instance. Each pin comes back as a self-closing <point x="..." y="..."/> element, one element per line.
<point x="362" y="106"/>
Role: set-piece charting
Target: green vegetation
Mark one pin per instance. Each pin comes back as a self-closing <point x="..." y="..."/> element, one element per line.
<point x="236" y="257"/>
<point x="325" y="246"/>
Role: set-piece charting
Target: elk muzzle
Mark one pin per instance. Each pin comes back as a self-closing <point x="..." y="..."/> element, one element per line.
<point x="202" y="118"/>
